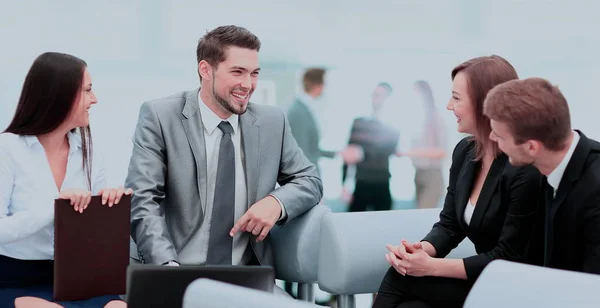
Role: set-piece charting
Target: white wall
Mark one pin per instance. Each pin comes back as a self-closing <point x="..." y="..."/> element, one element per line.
<point x="139" y="50"/>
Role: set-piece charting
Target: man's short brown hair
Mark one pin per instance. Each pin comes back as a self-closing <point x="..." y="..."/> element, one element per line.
<point x="212" y="46"/>
<point x="483" y="74"/>
<point x="533" y="109"/>
<point x="313" y="77"/>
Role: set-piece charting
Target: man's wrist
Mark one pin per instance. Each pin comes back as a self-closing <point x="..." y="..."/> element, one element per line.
<point x="282" y="214"/>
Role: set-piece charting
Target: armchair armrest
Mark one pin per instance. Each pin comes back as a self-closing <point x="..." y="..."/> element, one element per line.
<point x="210" y="293"/>
<point x="511" y="284"/>
<point x="296" y="245"/>
<point x="351" y="257"/>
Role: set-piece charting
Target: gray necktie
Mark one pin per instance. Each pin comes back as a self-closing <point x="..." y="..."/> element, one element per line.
<point x="219" y="242"/>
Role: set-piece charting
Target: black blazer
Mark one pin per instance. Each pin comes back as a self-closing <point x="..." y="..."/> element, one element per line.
<point x="379" y="141"/>
<point x="572" y="240"/>
<point x="502" y="221"/>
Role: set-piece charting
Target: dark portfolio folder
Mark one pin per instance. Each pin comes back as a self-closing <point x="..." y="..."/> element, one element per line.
<point x="91" y="249"/>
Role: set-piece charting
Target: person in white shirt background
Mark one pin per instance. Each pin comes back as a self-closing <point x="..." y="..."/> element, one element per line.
<point x="46" y="153"/>
<point x="304" y="119"/>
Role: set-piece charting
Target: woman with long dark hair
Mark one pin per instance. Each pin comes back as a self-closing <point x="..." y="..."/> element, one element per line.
<point x="488" y="200"/>
<point x="46" y="153"/>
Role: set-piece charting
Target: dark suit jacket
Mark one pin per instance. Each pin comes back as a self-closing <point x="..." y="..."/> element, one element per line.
<point x="306" y="132"/>
<point x="573" y="230"/>
<point x="501" y="224"/>
<point x="378" y="141"/>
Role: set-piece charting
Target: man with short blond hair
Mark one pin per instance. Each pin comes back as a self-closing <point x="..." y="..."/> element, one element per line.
<point x="531" y="123"/>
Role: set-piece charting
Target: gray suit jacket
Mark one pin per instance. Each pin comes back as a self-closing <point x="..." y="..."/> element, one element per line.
<point x="167" y="172"/>
<point x="306" y="132"/>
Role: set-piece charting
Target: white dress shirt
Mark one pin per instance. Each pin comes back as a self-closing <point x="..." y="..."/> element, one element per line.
<point x="28" y="191"/>
<point x="195" y="251"/>
<point x="556" y="175"/>
<point x="469" y="209"/>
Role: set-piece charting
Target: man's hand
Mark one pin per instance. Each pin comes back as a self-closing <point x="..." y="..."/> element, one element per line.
<point x="346" y="196"/>
<point x="353" y="154"/>
<point x="259" y="219"/>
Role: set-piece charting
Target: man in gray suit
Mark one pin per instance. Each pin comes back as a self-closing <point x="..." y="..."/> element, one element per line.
<point x="205" y="164"/>
<point x="303" y="119"/>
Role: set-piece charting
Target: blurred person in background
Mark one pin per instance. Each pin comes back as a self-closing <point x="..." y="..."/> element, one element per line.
<point x="304" y="120"/>
<point x="306" y="129"/>
<point x="371" y="144"/>
<point x="427" y="151"/>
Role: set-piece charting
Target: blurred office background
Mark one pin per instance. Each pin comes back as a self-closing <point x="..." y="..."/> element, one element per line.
<point x="139" y="50"/>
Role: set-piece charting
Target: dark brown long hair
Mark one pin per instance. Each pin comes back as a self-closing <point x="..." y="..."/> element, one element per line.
<point x="483" y="74"/>
<point x="51" y="89"/>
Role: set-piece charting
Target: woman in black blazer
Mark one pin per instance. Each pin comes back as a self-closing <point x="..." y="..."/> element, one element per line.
<point x="488" y="200"/>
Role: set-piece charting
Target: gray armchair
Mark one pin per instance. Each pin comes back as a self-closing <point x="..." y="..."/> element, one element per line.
<point x="351" y="255"/>
<point x="296" y="247"/>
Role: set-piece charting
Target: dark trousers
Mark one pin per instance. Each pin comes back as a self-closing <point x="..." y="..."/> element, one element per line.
<point x="374" y="194"/>
<point x="34" y="278"/>
<point x="406" y="291"/>
<point x="15" y="273"/>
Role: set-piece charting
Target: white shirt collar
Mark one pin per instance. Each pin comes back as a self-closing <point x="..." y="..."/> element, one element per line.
<point x="73" y="136"/>
<point x="211" y="120"/>
<point x="307" y="99"/>
<point x="556" y="175"/>
<point x="309" y="102"/>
